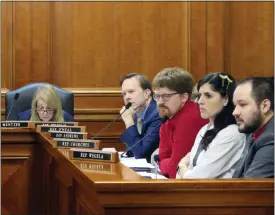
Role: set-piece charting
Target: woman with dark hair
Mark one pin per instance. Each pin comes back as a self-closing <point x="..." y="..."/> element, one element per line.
<point x="218" y="145"/>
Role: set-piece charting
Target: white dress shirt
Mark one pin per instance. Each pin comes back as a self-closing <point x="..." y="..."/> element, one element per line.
<point x="221" y="156"/>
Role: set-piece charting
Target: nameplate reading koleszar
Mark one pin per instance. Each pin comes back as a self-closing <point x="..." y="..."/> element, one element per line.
<point x="68" y="143"/>
<point x="94" y="155"/>
<point x="69" y="135"/>
<point x="49" y="128"/>
<point x="14" y="124"/>
<point x="56" y="123"/>
<point x="95" y="167"/>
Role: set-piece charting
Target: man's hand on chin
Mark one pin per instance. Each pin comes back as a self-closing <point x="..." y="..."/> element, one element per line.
<point x="128" y="116"/>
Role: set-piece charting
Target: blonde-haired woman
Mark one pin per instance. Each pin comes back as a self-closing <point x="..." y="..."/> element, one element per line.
<point x="46" y="106"/>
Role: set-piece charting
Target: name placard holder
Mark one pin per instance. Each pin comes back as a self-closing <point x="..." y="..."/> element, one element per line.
<point x="53" y="127"/>
<point x="97" y="167"/>
<point x="17" y="124"/>
<point x="75" y="143"/>
<point x="69" y="135"/>
<point x="65" y="152"/>
<point x="56" y="123"/>
<point x="94" y="155"/>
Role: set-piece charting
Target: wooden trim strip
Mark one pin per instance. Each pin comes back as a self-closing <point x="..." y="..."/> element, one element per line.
<point x="3" y="157"/>
<point x="84" y="91"/>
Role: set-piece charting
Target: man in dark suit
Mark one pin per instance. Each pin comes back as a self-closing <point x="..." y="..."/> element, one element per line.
<point x="141" y="118"/>
<point x="254" y="113"/>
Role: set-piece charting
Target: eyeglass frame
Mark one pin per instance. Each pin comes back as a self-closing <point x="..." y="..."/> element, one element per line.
<point x="48" y="111"/>
<point x="165" y="99"/>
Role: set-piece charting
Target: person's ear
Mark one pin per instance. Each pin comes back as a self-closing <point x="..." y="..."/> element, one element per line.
<point x="147" y="93"/>
<point x="265" y="105"/>
<point x="225" y="101"/>
<point x="184" y="97"/>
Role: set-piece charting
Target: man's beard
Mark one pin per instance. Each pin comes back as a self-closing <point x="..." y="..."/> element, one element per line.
<point x="253" y="125"/>
<point x="163" y="111"/>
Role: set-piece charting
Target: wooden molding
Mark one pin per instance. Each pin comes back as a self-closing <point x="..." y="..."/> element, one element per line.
<point x="94" y="91"/>
<point x="3" y="91"/>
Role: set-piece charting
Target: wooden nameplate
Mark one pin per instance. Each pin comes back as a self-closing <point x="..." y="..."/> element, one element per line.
<point x="94" y="155"/>
<point x="69" y="135"/>
<point x="65" y="152"/>
<point x="56" y="123"/>
<point x="49" y="128"/>
<point x="75" y="143"/>
<point x="97" y="167"/>
<point x="17" y="124"/>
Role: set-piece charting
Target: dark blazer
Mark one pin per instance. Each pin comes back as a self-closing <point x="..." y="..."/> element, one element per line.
<point x="146" y="147"/>
<point x="258" y="157"/>
<point x="26" y="115"/>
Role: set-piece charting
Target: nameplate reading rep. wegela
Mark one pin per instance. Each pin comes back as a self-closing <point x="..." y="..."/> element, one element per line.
<point x="94" y="155"/>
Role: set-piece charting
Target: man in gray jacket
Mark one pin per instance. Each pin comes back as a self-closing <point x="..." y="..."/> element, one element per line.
<point x="254" y="113"/>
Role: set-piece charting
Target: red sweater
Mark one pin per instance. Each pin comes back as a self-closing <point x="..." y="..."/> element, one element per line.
<point x="177" y="137"/>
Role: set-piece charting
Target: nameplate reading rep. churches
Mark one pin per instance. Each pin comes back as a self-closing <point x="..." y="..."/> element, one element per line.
<point x="95" y="155"/>
<point x="73" y="143"/>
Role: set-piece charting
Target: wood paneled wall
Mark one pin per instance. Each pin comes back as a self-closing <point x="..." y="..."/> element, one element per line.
<point x="87" y="46"/>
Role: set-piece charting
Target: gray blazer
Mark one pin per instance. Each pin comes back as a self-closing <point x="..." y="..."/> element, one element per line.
<point x="258" y="157"/>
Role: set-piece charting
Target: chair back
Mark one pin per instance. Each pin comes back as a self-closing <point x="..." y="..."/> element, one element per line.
<point x="24" y="100"/>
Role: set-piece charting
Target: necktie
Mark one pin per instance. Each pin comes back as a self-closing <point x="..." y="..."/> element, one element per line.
<point x="139" y="125"/>
<point x="200" y="149"/>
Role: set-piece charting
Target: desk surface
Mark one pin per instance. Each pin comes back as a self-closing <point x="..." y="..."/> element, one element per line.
<point x="119" y="190"/>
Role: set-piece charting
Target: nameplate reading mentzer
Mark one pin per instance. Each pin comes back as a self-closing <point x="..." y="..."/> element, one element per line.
<point x="14" y="124"/>
<point x="68" y="143"/>
<point x="49" y="128"/>
<point x="69" y="135"/>
<point x="94" y="155"/>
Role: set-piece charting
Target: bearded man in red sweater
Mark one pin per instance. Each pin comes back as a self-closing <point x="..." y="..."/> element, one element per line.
<point x="172" y="89"/>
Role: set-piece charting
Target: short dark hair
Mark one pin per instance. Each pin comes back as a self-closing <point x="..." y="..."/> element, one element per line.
<point x="225" y="85"/>
<point x="143" y="80"/>
<point x="262" y="88"/>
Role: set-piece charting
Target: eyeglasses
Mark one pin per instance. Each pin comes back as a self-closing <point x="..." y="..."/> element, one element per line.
<point x="165" y="97"/>
<point x="48" y="111"/>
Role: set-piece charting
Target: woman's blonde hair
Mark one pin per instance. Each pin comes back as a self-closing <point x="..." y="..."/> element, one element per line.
<point x="48" y="94"/>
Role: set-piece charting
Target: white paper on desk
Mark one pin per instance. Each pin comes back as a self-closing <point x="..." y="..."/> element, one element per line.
<point x="151" y="175"/>
<point x="136" y="163"/>
<point x="108" y="150"/>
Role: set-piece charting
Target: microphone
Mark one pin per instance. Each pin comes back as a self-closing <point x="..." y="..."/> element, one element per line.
<point x="156" y="158"/>
<point x="16" y="96"/>
<point x="127" y="106"/>
<point x="163" y="120"/>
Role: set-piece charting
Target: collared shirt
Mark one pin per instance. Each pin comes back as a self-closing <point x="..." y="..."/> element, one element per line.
<point x="259" y="132"/>
<point x="221" y="156"/>
<point x="177" y="137"/>
<point x="142" y="115"/>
